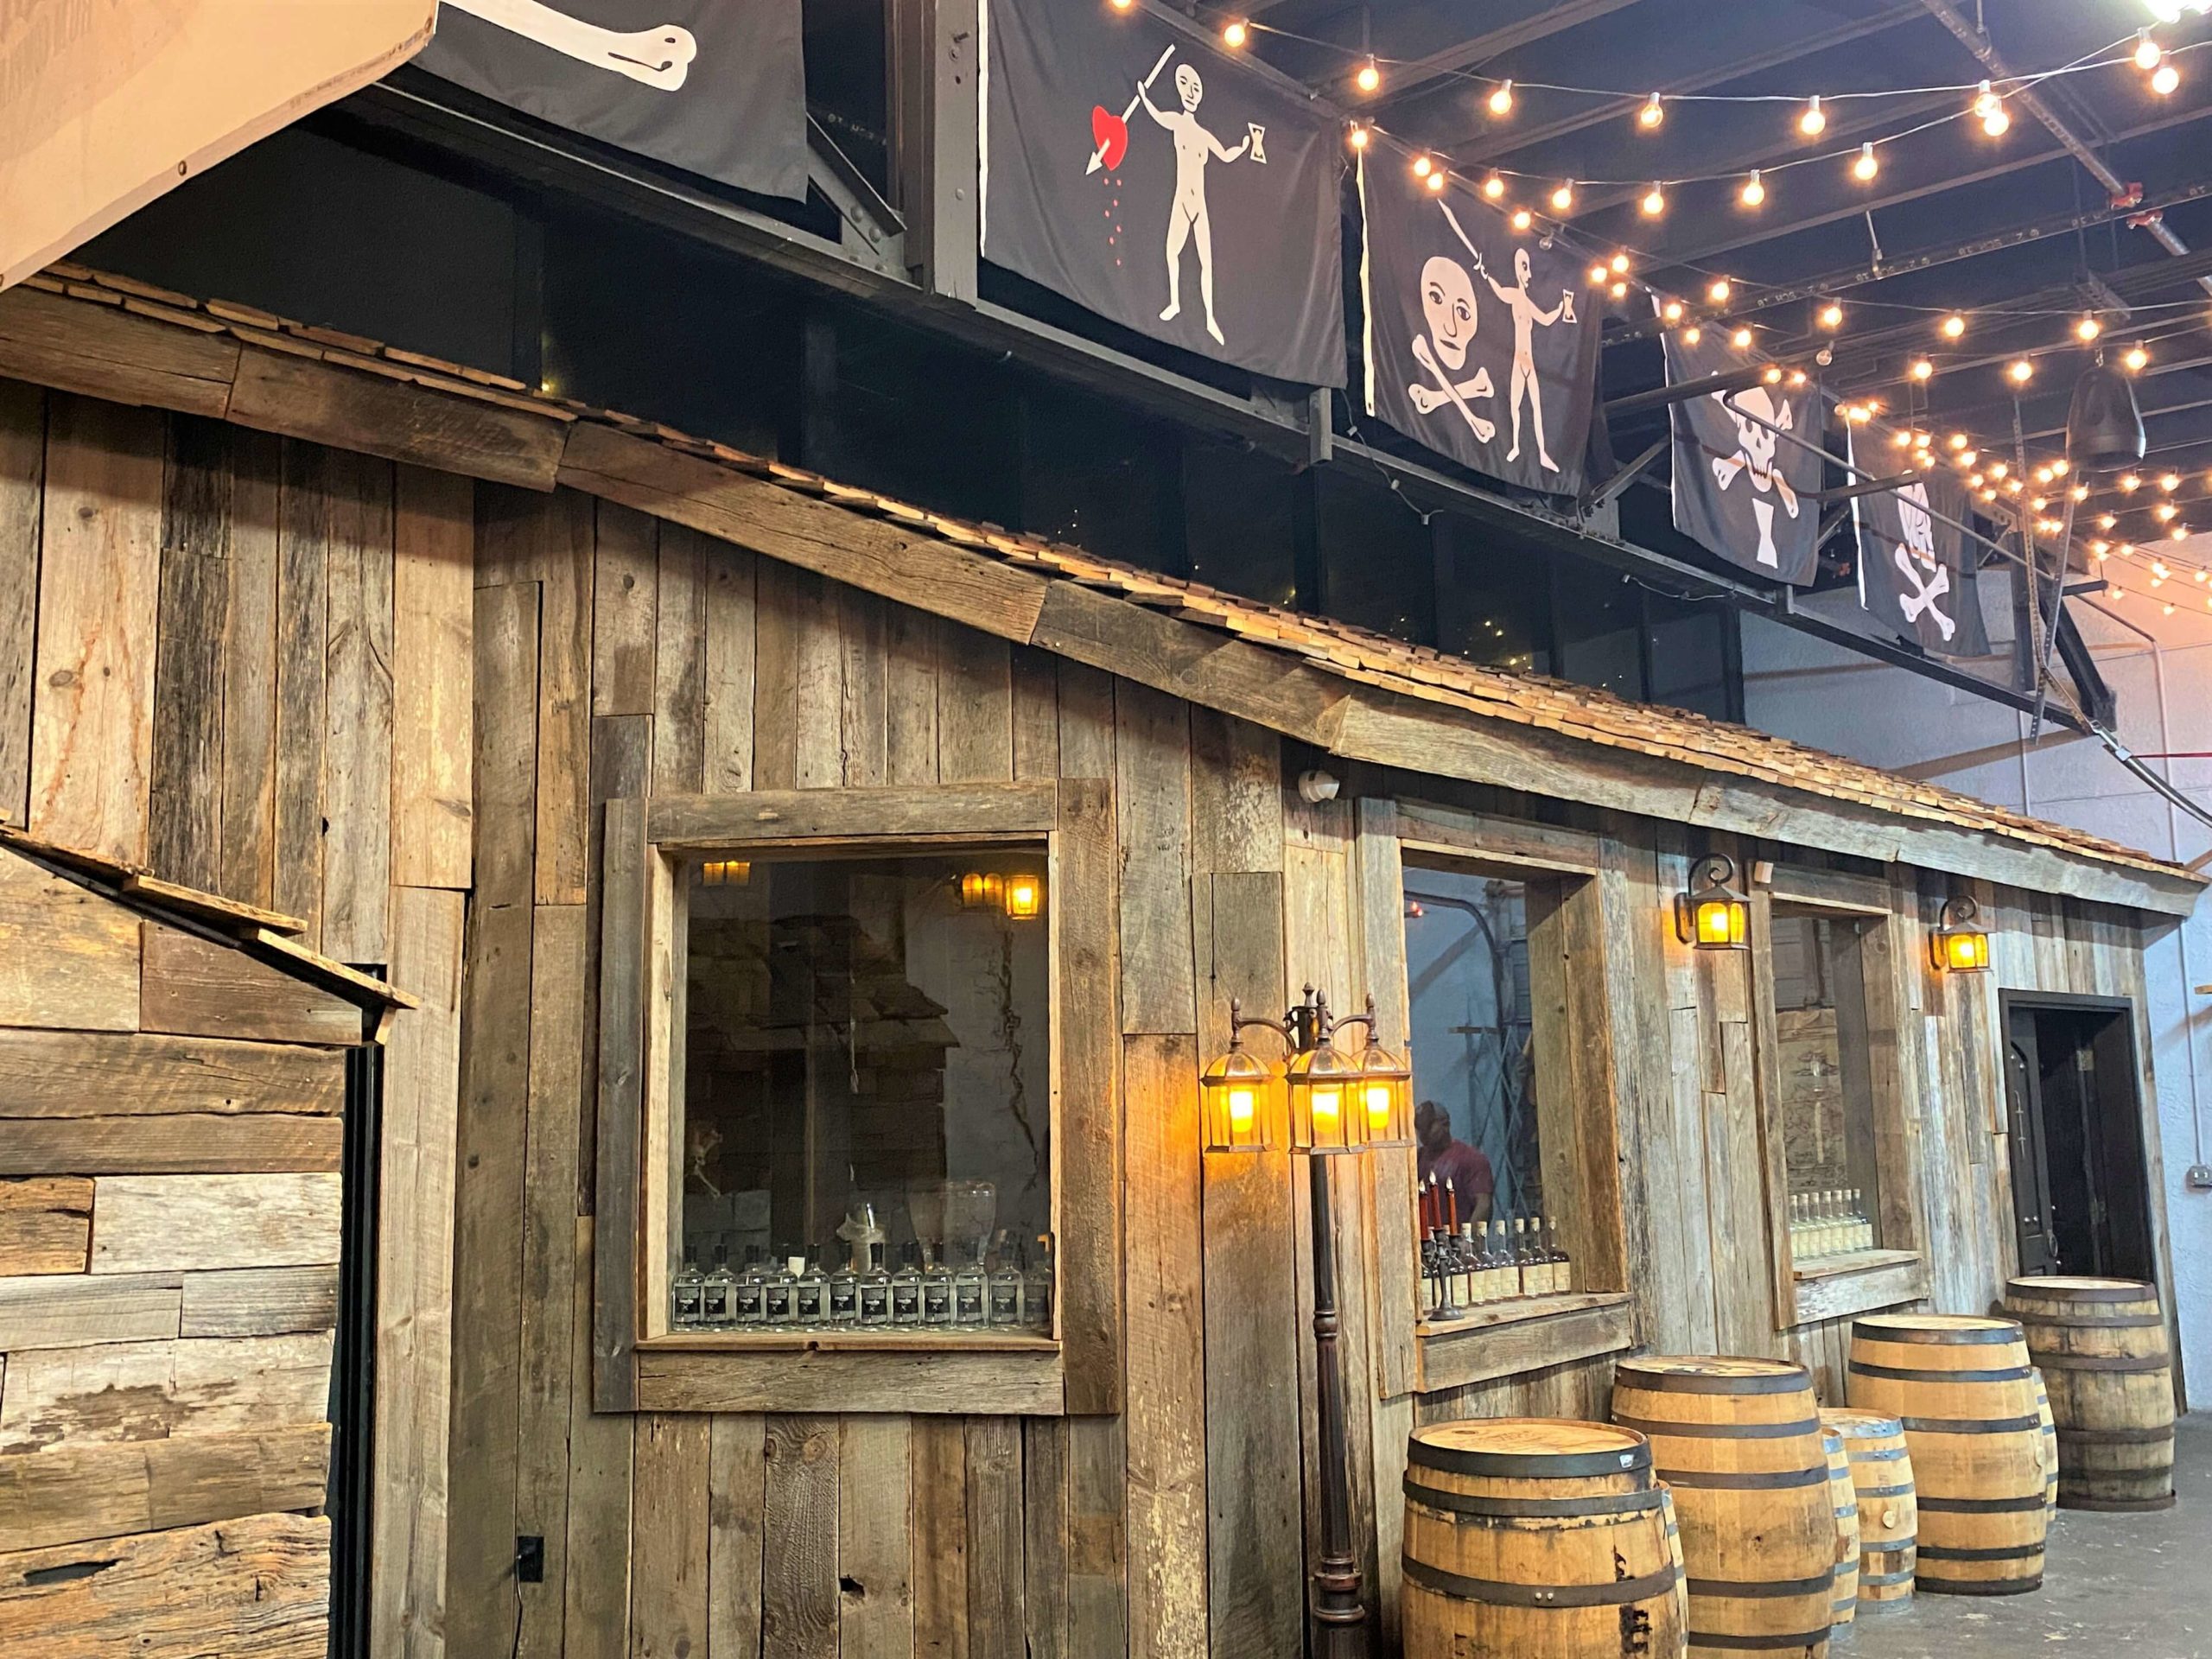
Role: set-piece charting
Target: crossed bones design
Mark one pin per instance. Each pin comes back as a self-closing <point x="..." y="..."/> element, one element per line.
<point x="1754" y="459"/>
<point x="1915" y="559"/>
<point x="659" y="58"/>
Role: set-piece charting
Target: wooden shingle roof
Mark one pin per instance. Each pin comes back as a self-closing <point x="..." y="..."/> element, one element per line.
<point x="113" y="337"/>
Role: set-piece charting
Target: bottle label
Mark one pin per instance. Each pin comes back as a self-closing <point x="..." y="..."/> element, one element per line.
<point x="937" y="1302"/>
<point x="844" y="1301"/>
<point x="778" y="1302"/>
<point x="714" y="1305"/>
<point x="748" y="1300"/>
<point x="807" y="1302"/>
<point x="1006" y="1304"/>
<point x="906" y="1302"/>
<point x="875" y="1304"/>
<point x="687" y="1304"/>
<point x="968" y="1303"/>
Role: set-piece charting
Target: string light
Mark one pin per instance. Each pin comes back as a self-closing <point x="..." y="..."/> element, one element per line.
<point x="2105" y="521"/>
<point x="1989" y="110"/>
<point x="1692" y="334"/>
<point x="1423" y="166"/>
<point x="1619" y="290"/>
<point x="2137" y="360"/>
<point x="1597" y="274"/>
<point x="1655" y="202"/>
<point x="1359" y="135"/>
<point x="1620" y="264"/>
<point x="1235" y="34"/>
<point x="1921" y="368"/>
<point x="1563" y="197"/>
<point x="2022" y="372"/>
<point x="2147" y="51"/>
<point x="1522" y="218"/>
<point x="2129" y="484"/>
<point x="1865" y="167"/>
<point x="1814" y="120"/>
<point x="2164" y="79"/>
<point x="2169" y="483"/>
<point x="2179" y="533"/>
<point x="1958" y="440"/>
<point x="1672" y="311"/>
<point x="1754" y="192"/>
<point x="1831" y="317"/>
<point x="1772" y="375"/>
<point x="1650" y="114"/>
<point x="1741" y="340"/>
<point x="1493" y="186"/>
<point x="2088" y="330"/>
<point x="1901" y="440"/>
<point x="1501" y="100"/>
<point x="1436" y="181"/>
<point x="1720" y="291"/>
<point x="1370" y="77"/>
<point x="1797" y="378"/>
<point x="1954" y="326"/>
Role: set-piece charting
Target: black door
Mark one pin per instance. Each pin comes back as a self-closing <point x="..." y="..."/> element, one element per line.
<point x="2079" y="1184"/>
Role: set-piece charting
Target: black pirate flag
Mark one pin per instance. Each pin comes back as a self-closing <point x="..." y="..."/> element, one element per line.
<point x="715" y="87"/>
<point x="1474" y="345"/>
<point x="1741" y="489"/>
<point x="1916" y="571"/>
<point x="1134" y="168"/>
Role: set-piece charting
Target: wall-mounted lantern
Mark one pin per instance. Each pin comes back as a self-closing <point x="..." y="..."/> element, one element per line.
<point x="725" y="872"/>
<point x="979" y="891"/>
<point x="1714" y="914"/>
<point x="1960" y="944"/>
<point x="1025" y="897"/>
<point x="1237" y="1091"/>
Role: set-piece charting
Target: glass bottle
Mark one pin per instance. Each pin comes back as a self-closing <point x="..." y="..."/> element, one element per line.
<point x="684" y="1313"/>
<point x="716" y="1292"/>
<point x="971" y="1295"/>
<point x="1003" y="1294"/>
<point x="745" y="1311"/>
<point x="1524" y="1267"/>
<point x="906" y="1290"/>
<point x="1562" y="1269"/>
<point x="936" y="1292"/>
<point x="1461" y="1244"/>
<point x="1489" y="1283"/>
<point x="843" y="1312"/>
<point x="1862" y="1230"/>
<point x="1037" y="1288"/>
<point x="776" y="1291"/>
<point x="1836" y="1241"/>
<point x="809" y="1293"/>
<point x="1797" y="1243"/>
<point x="875" y="1289"/>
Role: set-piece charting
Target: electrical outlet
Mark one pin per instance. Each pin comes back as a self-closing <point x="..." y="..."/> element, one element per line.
<point x="2199" y="1178"/>
<point x="529" y="1559"/>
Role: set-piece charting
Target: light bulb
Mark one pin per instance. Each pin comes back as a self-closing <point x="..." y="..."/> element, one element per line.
<point x="1620" y="264"/>
<point x="1522" y="218"/>
<point x="2167" y="512"/>
<point x="1754" y="192"/>
<point x="1719" y="290"/>
<point x="2088" y="330"/>
<point x="1501" y="100"/>
<point x="1814" y="121"/>
<point x="1619" y="290"/>
<point x="2079" y="492"/>
<point x="2164" y="79"/>
<point x="2147" y="53"/>
<point x="1796" y="376"/>
<point x="2171" y="482"/>
<point x="1831" y="317"/>
<point x="1741" y="340"/>
<point x="2129" y="484"/>
<point x="1359" y="136"/>
<point x="1865" y="167"/>
<point x="2137" y="360"/>
<point x="1672" y="311"/>
<point x="1655" y="202"/>
<point x="1772" y="375"/>
<point x="1370" y="77"/>
<point x="1597" y="275"/>
<point x="2179" y="533"/>
<point x="1423" y="166"/>
<point x="1436" y="181"/>
<point x="1493" y="186"/>
<point x="1922" y="369"/>
<point x="1958" y="440"/>
<point x="1901" y="440"/>
<point x="1953" y="325"/>
<point x="1563" y="197"/>
<point x="1692" y="334"/>
<point x="2105" y="521"/>
<point x="2044" y="474"/>
<point x="1986" y="100"/>
<point x="1998" y="122"/>
<point x="2022" y="372"/>
<point x="2060" y="467"/>
<point x="1650" y="114"/>
<point x="1998" y="469"/>
<point x="1234" y="35"/>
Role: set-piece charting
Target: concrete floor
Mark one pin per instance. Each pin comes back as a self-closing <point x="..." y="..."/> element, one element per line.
<point x="2135" y="1585"/>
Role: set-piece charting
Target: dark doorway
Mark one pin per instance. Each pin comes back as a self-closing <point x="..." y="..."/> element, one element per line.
<point x="2081" y="1192"/>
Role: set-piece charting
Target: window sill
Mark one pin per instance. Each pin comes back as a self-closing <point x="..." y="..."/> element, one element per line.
<point x="849" y="1372"/>
<point x="1836" y="1287"/>
<point x="1511" y="1337"/>
<point x="845" y="1342"/>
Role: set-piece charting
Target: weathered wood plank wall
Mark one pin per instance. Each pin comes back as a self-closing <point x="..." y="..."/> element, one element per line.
<point x="453" y="677"/>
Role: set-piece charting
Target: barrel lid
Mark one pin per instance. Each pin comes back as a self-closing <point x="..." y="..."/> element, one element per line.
<point x="1711" y="1373"/>
<point x="2069" y="1289"/>
<point x="1528" y="1448"/>
<point x="1936" y="1327"/>
<point x="1860" y="1425"/>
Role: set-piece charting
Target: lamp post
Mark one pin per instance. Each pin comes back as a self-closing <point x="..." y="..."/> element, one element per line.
<point x="1337" y="1105"/>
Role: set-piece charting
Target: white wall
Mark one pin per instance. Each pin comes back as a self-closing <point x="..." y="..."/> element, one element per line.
<point x="1798" y="688"/>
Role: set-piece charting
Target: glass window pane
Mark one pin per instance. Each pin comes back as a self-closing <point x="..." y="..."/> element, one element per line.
<point x="866" y="1091"/>
<point x="1824" y="1076"/>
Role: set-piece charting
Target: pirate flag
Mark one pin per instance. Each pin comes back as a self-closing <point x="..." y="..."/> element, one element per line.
<point x="1741" y="489"/>
<point x="1132" y="167"/>
<point x="1917" y="572"/>
<point x="715" y="87"/>
<point x="1475" y="344"/>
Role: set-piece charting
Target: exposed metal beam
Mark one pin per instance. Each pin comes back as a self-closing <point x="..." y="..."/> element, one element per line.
<point x="1803" y="46"/>
<point x="1407" y="79"/>
<point x="2035" y="104"/>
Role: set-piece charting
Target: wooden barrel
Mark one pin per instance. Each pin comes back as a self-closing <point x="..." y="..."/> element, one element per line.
<point x="2101" y="1345"/>
<point x="1845" y="1607"/>
<point x="1739" y="1442"/>
<point x="1532" y="1537"/>
<point x="1963" y="1388"/>
<point x="2050" y="1427"/>
<point x="1675" y="1554"/>
<point x="1888" y="1519"/>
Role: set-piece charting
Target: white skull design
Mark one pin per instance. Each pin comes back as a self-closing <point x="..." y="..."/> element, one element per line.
<point x="1756" y="444"/>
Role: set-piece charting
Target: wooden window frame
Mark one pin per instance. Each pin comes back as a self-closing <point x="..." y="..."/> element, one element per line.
<point x="1897" y="1272"/>
<point x="640" y="1364"/>
<point x="1510" y="1339"/>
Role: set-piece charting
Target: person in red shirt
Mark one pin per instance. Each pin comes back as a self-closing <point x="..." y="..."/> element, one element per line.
<point x="1451" y="1162"/>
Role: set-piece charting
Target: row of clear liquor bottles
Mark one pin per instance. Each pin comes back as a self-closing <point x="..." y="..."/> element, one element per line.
<point x="921" y="1294"/>
<point x="1494" y="1262"/>
<point x="1828" y="1223"/>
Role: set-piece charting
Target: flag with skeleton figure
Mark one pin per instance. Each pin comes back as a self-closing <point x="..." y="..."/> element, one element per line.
<point x="1475" y="344"/>
<point x="1742" y="489"/>
<point x="716" y="87"/>
<point x="1915" y="569"/>
<point x="1133" y="167"/>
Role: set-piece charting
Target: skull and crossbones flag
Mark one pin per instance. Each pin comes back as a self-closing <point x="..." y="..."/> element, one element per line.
<point x="716" y="87"/>
<point x="1916" y="571"/>
<point x="1476" y="344"/>
<point x="1740" y="489"/>
<point x="1131" y="166"/>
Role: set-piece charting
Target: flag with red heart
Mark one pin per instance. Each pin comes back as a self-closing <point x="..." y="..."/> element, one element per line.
<point x="1110" y="137"/>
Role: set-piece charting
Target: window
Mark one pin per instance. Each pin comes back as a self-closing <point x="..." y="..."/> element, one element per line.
<point x="1824" y="1086"/>
<point x="866" y="1123"/>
